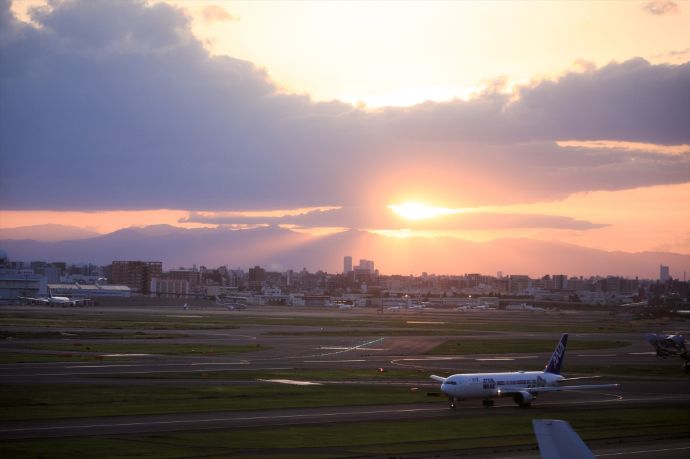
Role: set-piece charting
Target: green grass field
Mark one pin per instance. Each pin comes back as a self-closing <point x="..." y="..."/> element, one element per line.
<point x="343" y="374"/>
<point x="358" y="438"/>
<point x="68" y="401"/>
<point x="346" y="325"/>
<point x="495" y="346"/>
<point x="149" y="348"/>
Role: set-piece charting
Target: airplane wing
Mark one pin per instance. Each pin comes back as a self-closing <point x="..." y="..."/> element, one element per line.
<point x="580" y="377"/>
<point x="557" y="440"/>
<point x="38" y="300"/>
<point x="539" y="390"/>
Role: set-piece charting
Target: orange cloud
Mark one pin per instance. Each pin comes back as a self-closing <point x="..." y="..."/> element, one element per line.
<point x="100" y="222"/>
<point x="215" y="13"/>
<point x="661" y="7"/>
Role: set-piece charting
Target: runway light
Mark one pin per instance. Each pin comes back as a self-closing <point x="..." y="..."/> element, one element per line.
<point x="381" y="370"/>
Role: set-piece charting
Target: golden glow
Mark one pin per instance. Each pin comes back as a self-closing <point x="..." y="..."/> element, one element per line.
<point x="627" y="146"/>
<point x="419" y="211"/>
<point x="433" y="50"/>
<point x="317" y="231"/>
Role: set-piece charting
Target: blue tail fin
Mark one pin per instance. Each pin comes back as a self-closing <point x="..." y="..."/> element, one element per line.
<point x="556" y="360"/>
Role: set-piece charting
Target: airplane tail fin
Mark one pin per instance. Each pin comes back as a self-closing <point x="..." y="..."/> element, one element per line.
<point x="556" y="360"/>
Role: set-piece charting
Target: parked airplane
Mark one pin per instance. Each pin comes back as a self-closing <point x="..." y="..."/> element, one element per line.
<point x="523" y="386"/>
<point x="230" y="306"/>
<point x="667" y="345"/>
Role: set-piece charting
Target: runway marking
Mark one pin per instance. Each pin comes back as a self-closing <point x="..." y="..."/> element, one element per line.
<point x="341" y="348"/>
<point x="243" y="362"/>
<point x="126" y="355"/>
<point x="663" y="450"/>
<point x="429" y="359"/>
<point x="98" y="366"/>
<point x="228" y="335"/>
<point x="425" y="322"/>
<point x="348" y="349"/>
<point x="333" y="361"/>
<point x="595" y="355"/>
<point x="292" y="382"/>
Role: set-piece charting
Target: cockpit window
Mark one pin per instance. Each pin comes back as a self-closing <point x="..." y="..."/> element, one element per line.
<point x="451" y="382"/>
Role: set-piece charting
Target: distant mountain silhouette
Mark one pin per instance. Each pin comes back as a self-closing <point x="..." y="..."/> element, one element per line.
<point x="279" y="249"/>
<point x="50" y="232"/>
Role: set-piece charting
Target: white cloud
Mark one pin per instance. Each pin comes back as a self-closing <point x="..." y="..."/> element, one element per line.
<point x="661" y="7"/>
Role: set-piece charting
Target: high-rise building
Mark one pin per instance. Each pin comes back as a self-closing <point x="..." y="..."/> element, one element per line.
<point x="664" y="274"/>
<point x="367" y="265"/>
<point x="255" y="278"/>
<point x="136" y="275"/>
<point x="347" y="264"/>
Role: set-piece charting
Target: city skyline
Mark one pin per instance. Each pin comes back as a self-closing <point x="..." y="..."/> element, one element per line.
<point x="279" y="249"/>
<point x="562" y="123"/>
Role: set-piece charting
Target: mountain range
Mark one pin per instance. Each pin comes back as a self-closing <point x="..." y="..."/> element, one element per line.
<point x="279" y="249"/>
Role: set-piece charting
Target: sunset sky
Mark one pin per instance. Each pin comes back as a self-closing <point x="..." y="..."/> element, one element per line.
<point x="565" y="121"/>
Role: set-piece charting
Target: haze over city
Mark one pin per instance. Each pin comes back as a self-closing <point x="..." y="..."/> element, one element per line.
<point x="549" y="137"/>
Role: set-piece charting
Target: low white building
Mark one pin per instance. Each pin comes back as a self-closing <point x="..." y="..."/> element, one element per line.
<point x="89" y="290"/>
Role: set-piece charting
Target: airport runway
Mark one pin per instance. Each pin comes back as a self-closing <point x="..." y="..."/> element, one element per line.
<point x="315" y="351"/>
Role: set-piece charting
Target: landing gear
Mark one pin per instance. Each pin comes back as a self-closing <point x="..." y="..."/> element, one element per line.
<point x="488" y="403"/>
<point x="451" y="400"/>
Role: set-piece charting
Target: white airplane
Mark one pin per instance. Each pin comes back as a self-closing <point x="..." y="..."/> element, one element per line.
<point x="523" y="386"/>
<point x="56" y="300"/>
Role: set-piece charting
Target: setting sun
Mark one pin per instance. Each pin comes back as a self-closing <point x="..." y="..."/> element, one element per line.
<point x="418" y="211"/>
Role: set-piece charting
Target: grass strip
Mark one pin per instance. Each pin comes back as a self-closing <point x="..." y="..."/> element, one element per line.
<point x="515" y="346"/>
<point x="70" y="401"/>
<point x="364" y="325"/>
<point x="150" y="348"/>
<point x="354" y="374"/>
<point x="361" y="438"/>
<point x="20" y="357"/>
<point x="14" y="334"/>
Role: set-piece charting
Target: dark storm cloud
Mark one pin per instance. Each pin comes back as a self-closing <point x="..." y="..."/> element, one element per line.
<point x="115" y="105"/>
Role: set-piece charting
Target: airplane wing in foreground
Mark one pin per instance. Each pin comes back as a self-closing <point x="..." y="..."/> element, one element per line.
<point x="557" y="440"/>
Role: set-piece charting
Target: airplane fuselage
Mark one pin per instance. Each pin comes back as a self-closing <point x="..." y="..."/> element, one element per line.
<point x="490" y="385"/>
<point x="522" y="386"/>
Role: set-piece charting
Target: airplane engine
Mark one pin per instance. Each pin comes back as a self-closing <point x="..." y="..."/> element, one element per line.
<point x="523" y="399"/>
